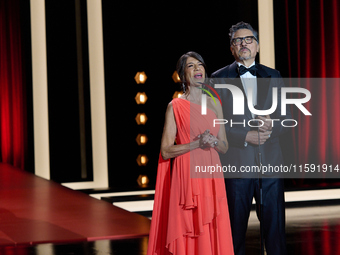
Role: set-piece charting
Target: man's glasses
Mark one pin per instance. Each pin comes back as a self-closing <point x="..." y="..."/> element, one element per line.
<point x="238" y="41"/>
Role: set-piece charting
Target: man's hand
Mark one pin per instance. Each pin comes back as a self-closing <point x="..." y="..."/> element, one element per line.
<point x="253" y="137"/>
<point x="267" y="126"/>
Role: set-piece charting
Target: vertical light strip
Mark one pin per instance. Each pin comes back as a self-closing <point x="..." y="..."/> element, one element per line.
<point x="266" y="32"/>
<point x="39" y="84"/>
<point x="97" y="89"/>
<point x="97" y="92"/>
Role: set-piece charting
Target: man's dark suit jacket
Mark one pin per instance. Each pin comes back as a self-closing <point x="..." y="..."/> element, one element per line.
<point x="240" y="153"/>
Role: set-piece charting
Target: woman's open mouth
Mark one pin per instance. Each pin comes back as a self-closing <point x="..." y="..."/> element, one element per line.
<point x="198" y="76"/>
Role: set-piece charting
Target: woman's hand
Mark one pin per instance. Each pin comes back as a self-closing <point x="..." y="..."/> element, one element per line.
<point x="207" y="139"/>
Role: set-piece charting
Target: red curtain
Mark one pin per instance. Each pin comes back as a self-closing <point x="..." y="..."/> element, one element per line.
<point x="12" y="99"/>
<point x="312" y="38"/>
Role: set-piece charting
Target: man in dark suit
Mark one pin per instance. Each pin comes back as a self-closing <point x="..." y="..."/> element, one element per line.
<point x="244" y="141"/>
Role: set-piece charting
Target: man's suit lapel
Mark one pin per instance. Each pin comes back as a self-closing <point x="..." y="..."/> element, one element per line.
<point x="232" y="71"/>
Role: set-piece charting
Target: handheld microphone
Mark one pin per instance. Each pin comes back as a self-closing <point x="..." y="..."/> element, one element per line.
<point x="260" y="185"/>
<point x="259" y="143"/>
<point x="257" y="107"/>
<point x="257" y="121"/>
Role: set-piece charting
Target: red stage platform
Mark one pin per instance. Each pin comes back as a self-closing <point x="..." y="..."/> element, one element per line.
<point x="34" y="210"/>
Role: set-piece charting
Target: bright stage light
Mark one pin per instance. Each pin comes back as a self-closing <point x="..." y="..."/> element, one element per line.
<point x="177" y="94"/>
<point x="141" y="98"/>
<point x="140" y="77"/>
<point x="142" y="160"/>
<point x="143" y="180"/>
<point x="175" y="77"/>
<point x="141" y="118"/>
<point x="141" y="139"/>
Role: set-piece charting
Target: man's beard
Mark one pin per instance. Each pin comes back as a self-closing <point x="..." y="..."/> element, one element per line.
<point x="244" y="58"/>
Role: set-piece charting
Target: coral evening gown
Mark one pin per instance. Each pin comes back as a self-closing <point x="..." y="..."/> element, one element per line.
<point x="190" y="214"/>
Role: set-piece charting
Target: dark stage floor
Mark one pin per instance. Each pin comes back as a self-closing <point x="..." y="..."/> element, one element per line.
<point x="35" y="211"/>
<point x="310" y="231"/>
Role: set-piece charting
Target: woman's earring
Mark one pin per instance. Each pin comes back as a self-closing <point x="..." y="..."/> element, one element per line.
<point x="183" y="85"/>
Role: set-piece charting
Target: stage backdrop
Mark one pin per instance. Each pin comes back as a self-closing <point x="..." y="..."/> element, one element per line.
<point x="307" y="45"/>
<point x="151" y="37"/>
<point x="13" y="123"/>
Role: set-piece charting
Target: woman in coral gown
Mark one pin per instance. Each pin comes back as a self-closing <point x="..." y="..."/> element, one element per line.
<point x="190" y="214"/>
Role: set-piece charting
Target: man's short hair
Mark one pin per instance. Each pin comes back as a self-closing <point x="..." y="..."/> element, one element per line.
<point x="242" y="25"/>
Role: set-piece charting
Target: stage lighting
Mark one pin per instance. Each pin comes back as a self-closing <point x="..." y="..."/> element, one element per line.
<point x="141" y="118"/>
<point x="141" y="98"/>
<point x="142" y="160"/>
<point x="140" y="77"/>
<point x="177" y="94"/>
<point x="141" y="139"/>
<point x="175" y="77"/>
<point x="142" y="180"/>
